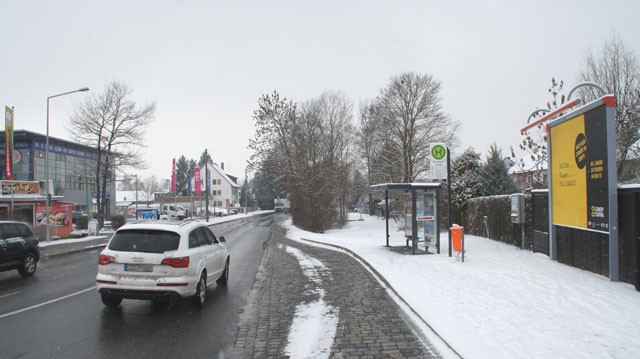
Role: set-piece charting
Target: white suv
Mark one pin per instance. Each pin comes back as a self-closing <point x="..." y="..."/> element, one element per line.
<point x="161" y="261"/>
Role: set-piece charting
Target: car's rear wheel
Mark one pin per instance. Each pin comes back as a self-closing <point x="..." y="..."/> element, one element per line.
<point x="110" y="301"/>
<point x="29" y="265"/>
<point x="224" y="278"/>
<point x="201" y="291"/>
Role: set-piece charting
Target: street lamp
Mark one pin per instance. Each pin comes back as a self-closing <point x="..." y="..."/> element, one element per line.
<point x="46" y="160"/>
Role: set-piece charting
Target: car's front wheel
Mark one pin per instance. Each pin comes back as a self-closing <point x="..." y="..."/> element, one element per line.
<point x="201" y="291"/>
<point x="29" y="265"/>
<point x="110" y="301"/>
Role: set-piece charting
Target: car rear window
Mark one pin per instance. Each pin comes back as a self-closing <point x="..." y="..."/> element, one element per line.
<point x="148" y="241"/>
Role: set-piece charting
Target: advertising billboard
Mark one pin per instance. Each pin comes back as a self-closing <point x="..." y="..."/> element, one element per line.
<point x="579" y="171"/>
<point x="583" y="207"/>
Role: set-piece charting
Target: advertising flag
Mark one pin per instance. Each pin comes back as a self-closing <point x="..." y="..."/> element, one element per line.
<point x="173" y="176"/>
<point x="189" y="182"/>
<point x="209" y="182"/>
<point x="196" y="176"/>
<point x="8" y="140"/>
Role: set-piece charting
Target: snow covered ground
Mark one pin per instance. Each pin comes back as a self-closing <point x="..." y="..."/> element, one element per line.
<point x="502" y="302"/>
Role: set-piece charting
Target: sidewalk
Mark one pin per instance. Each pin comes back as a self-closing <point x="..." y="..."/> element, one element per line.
<point x="502" y="302"/>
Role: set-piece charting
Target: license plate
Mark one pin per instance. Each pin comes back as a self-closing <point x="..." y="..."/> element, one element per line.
<point x="129" y="267"/>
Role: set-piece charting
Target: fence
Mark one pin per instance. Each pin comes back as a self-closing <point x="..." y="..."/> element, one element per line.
<point x="589" y="251"/>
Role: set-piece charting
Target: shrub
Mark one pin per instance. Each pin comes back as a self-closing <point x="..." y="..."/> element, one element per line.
<point x="82" y="222"/>
<point x="117" y="221"/>
<point x="77" y="234"/>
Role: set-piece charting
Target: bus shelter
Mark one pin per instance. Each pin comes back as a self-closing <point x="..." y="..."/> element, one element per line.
<point x="418" y="212"/>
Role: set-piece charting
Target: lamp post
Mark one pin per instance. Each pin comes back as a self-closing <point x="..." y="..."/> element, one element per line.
<point x="46" y="161"/>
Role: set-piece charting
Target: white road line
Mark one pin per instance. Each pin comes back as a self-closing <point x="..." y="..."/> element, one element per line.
<point x="46" y="303"/>
<point x="8" y="295"/>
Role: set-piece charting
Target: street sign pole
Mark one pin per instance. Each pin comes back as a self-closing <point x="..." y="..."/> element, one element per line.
<point x="449" y="197"/>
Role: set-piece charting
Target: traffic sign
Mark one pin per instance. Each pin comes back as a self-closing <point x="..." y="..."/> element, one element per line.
<point x="438" y="152"/>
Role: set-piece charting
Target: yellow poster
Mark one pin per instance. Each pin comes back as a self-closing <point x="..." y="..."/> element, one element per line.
<point x="569" y="173"/>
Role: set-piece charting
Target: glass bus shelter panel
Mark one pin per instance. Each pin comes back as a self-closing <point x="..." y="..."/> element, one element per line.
<point x="426" y="212"/>
<point x="429" y="219"/>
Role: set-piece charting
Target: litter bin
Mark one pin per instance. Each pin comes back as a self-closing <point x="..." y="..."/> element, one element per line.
<point x="457" y="239"/>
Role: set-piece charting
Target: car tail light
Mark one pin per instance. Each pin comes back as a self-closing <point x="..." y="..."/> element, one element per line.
<point x="105" y="259"/>
<point x="179" y="262"/>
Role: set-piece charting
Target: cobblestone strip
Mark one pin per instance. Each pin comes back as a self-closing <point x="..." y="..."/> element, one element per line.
<point x="265" y="324"/>
<point x="370" y="324"/>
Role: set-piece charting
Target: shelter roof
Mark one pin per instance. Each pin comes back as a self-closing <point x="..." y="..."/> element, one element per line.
<point x="405" y="186"/>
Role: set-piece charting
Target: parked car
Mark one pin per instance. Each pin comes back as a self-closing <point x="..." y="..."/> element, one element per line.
<point x="19" y="248"/>
<point x="163" y="216"/>
<point x="76" y="215"/>
<point x="161" y="261"/>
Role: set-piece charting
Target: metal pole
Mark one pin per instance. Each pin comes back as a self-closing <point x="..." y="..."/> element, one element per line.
<point x="448" y="197"/>
<point x="46" y="162"/>
<point x="414" y="222"/>
<point x="462" y="234"/>
<point x="86" y="189"/>
<point x="46" y="177"/>
<point x="206" y="186"/>
<point x="11" y="159"/>
<point x="386" y="206"/>
<point x="136" y="176"/>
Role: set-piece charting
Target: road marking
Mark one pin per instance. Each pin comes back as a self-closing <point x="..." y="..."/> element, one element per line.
<point x="46" y="303"/>
<point x="8" y="295"/>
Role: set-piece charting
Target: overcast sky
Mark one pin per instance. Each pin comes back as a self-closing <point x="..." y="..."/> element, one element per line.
<point x="206" y="63"/>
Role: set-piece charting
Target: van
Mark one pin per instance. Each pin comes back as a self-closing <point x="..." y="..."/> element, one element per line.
<point x="174" y="211"/>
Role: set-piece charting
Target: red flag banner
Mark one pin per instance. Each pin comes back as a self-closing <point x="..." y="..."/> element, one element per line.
<point x="196" y="179"/>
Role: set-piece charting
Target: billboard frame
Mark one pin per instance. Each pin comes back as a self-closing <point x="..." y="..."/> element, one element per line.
<point x="609" y="103"/>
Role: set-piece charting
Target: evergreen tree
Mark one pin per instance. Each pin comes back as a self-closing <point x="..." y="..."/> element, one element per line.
<point x="182" y="167"/>
<point x="244" y="193"/>
<point x="465" y="181"/>
<point x="494" y="175"/>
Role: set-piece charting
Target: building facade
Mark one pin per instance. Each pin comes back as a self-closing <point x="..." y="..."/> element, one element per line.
<point x="225" y="190"/>
<point x="71" y="168"/>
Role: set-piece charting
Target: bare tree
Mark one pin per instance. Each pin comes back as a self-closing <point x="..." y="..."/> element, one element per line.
<point x="113" y="124"/>
<point x="125" y="184"/>
<point x="148" y="187"/>
<point x="324" y="140"/>
<point x="307" y="154"/>
<point x="532" y="156"/>
<point x="409" y="118"/>
<point x="616" y="68"/>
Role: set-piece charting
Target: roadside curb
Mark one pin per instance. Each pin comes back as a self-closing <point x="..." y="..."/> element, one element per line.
<point x="60" y="249"/>
<point x="382" y="280"/>
<point x="73" y="250"/>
